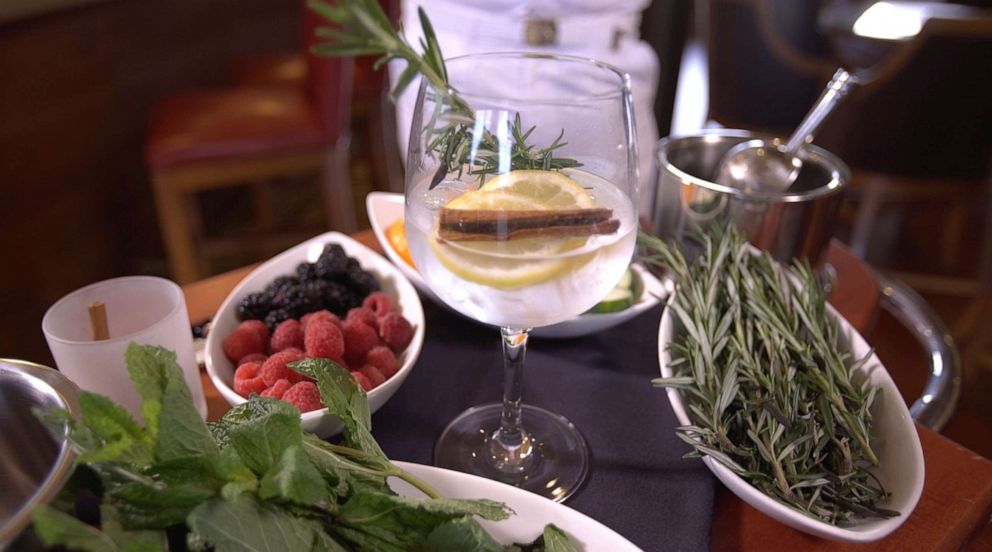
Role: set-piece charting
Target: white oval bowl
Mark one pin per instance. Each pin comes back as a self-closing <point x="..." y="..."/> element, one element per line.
<point x="893" y="438"/>
<point x="392" y="281"/>
<point x="531" y="511"/>
<point x="385" y="208"/>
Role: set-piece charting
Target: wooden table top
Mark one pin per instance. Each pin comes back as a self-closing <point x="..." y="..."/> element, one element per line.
<point x="957" y="492"/>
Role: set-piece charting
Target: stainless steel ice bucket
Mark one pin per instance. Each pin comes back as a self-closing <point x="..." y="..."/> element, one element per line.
<point x="795" y="223"/>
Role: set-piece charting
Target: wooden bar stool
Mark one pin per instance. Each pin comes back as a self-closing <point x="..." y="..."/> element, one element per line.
<point x="243" y="136"/>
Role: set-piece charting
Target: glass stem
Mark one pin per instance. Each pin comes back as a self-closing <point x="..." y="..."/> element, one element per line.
<point x="511" y="446"/>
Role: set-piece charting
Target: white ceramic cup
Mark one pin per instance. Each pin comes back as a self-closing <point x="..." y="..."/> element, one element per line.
<point x="140" y="309"/>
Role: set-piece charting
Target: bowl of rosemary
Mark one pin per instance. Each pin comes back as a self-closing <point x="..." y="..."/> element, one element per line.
<point x="784" y="401"/>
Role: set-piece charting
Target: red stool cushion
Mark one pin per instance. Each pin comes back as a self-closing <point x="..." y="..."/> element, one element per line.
<point x="288" y="70"/>
<point x="230" y="123"/>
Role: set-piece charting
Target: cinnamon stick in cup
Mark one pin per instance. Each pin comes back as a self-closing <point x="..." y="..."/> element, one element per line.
<point x="98" y="320"/>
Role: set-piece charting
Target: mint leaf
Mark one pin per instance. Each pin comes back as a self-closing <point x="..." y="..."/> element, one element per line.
<point x="345" y="400"/>
<point x="114" y="435"/>
<point x="556" y="540"/>
<point x="143" y="505"/>
<point x="396" y="521"/>
<point x="211" y="471"/>
<point x="55" y="528"/>
<point x="260" y="442"/>
<point x="167" y="405"/>
<point x="242" y="524"/>
<point x="130" y="541"/>
<point x="256" y="407"/>
<point x="344" y="476"/>
<point x="293" y="478"/>
<point x="460" y="534"/>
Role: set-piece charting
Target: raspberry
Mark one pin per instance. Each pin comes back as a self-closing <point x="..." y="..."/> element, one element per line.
<point x="374" y="375"/>
<point x="258" y="327"/>
<point x="304" y="396"/>
<point x="247" y="379"/>
<point x="363" y="314"/>
<point x="278" y="389"/>
<point x="396" y="331"/>
<point x="323" y="339"/>
<point x="289" y="333"/>
<point x="362" y="380"/>
<point x="241" y="343"/>
<point x="275" y="367"/>
<point x="379" y="303"/>
<point x="254" y="357"/>
<point x="383" y="359"/>
<point x="359" y="338"/>
<point x="324" y="314"/>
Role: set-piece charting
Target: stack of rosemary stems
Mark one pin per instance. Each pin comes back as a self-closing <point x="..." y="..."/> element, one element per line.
<point x="766" y="380"/>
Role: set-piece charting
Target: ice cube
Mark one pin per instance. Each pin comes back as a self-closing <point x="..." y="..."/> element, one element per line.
<point x="445" y="191"/>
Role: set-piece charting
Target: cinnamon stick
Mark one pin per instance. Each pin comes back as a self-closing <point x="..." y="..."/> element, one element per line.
<point x="98" y="321"/>
<point x="492" y="225"/>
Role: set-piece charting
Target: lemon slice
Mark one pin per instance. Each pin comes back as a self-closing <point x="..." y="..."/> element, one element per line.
<point x="520" y="262"/>
<point x="550" y="189"/>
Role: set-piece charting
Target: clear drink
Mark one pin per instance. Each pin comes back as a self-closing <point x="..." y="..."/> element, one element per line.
<point x="523" y="283"/>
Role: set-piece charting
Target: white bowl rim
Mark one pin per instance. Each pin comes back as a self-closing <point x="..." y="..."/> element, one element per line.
<point x="866" y="531"/>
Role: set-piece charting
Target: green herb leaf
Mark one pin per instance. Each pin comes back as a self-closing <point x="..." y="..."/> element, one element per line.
<point x="345" y="400"/>
<point x="395" y="522"/>
<point x="130" y="541"/>
<point x="556" y="540"/>
<point x="294" y="479"/>
<point x="167" y="405"/>
<point x="260" y="442"/>
<point x="113" y="435"/>
<point x="243" y="524"/>
<point x="460" y="534"/>
<point x="56" y="528"/>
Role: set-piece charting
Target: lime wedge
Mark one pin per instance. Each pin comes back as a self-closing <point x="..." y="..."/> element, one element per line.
<point x="616" y="300"/>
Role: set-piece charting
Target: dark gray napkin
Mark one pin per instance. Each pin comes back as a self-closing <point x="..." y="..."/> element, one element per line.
<point x="639" y="484"/>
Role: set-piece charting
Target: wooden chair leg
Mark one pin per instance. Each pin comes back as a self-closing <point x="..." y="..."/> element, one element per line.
<point x="335" y="185"/>
<point x="172" y="213"/>
<point x="871" y="202"/>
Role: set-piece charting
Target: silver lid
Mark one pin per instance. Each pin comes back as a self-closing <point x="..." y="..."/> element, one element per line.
<point x="33" y="465"/>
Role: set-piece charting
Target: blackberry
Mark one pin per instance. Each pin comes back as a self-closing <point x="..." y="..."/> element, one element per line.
<point x="275" y="317"/>
<point x="254" y="306"/>
<point x="309" y="297"/>
<point x="352" y="264"/>
<point x="353" y="298"/>
<point x="307" y="272"/>
<point x="337" y="298"/>
<point x="331" y="268"/>
<point x="283" y="282"/>
<point x="362" y="282"/>
<point x="332" y="251"/>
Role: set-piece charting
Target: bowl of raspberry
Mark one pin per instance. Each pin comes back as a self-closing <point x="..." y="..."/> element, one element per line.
<point x="329" y="297"/>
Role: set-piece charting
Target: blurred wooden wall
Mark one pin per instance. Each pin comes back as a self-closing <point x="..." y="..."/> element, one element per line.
<point x="75" y="91"/>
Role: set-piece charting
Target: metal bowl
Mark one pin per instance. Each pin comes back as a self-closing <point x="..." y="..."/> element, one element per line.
<point x="34" y="465"/>
<point x="797" y="222"/>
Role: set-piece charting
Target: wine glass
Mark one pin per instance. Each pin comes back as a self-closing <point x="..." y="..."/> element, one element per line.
<point x="521" y="212"/>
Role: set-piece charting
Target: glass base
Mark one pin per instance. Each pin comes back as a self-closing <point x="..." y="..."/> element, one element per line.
<point x="555" y="465"/>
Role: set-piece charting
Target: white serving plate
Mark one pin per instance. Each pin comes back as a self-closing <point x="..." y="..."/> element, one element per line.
<point x="385" y="208"/>
<point x="391" y="280"/>
<point x="532" y="512"/>
<point x="893" y="437"/>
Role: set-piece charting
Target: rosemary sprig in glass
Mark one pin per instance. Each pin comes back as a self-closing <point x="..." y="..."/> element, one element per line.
<point x="768" y="388"/>
<point x="362" y="28"/>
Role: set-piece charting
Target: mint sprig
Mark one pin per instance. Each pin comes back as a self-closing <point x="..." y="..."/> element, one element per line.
<point x="253" y="480"/>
